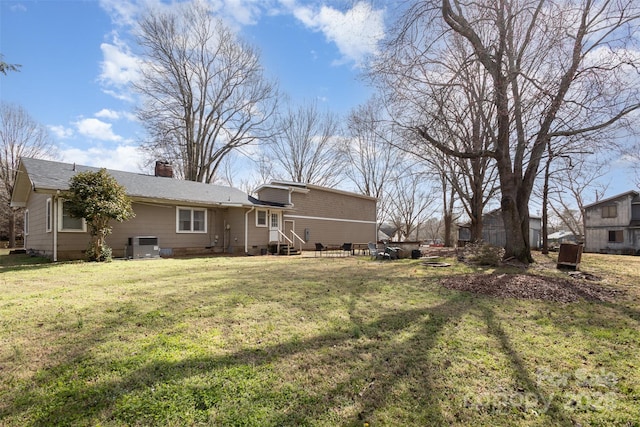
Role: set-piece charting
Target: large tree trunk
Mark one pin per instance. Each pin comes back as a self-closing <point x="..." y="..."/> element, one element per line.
<point x="515" y="215"/>
<point x="476" y="207"/>
<point x="448" y="201"/>
<point x="448" y="228"/>
<point x="516" y="244"/>
<point x="475" y="228"/>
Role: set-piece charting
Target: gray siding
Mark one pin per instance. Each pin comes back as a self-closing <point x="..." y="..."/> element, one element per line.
<point x="225" y="230"/>
<point x="597" y="240"/>
<point x="593" y="215"/>
<point x="38" y="239"/>
<point x="277" y="195"/>
<point x="597" y="228"/>
<point x="329" y="204"/>
<point x="333" y="218"/>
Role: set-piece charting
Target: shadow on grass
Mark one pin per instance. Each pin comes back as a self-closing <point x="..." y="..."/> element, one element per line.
<point x="86" y="402"/>
<point x="522" y="375"/>
<point x="396" y="346"/>
<point x="19" y="262"/>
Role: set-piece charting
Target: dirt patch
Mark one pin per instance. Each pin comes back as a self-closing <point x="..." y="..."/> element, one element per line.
<point x="526" y="286"/>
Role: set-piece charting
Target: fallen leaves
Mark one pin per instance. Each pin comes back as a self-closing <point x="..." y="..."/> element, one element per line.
<point x="527" y="286"/>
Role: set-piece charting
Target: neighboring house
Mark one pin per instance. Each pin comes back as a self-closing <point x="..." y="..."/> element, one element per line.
<point x="493" y="230"/>
<point x="556" y="239"/>
<point x="184" y="217"/>
<point x="613" y="225"/>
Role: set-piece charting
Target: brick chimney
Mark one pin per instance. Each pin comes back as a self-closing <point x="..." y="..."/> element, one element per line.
<point x="164" y="169"/>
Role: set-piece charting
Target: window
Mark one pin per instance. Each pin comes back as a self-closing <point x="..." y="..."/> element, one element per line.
<point x="275" y="220"/>
<point x="67" y="223"/>
<point x="190" y="220"/>
<point x="261" y="218"/>
<point x="616" y="236"/>
<point x="610" y="211"/>
<point x="26" y="222"/>
<point x="48" y="223"/>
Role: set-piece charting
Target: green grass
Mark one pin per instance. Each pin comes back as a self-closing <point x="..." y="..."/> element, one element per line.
<point x="275" y="341"/>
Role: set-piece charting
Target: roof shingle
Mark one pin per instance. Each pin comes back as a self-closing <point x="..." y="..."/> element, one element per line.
<point x="50" y="175"/>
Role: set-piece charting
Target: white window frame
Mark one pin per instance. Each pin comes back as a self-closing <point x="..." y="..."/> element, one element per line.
<point x="48" y="216"/>
<point x="191" y="210"/>
<point x="61" y="228"/>
<point x="266" y="218"/>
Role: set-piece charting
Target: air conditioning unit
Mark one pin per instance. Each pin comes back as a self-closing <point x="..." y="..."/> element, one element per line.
<point x="143" y="247"/>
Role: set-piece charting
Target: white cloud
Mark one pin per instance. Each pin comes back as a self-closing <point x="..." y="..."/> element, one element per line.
<point x="119" y="67"/>
<point x="96" y="129"/>
<point x="126" y="158"/>
<point x="243" y="12"/>
<point x="121" y="95"/>
<point x="355" y="32"/>
<point x="106" y="113"/>
<point x="61" y="132"/>
<point x="17" y="7"/>
<point x="123" y="12"/>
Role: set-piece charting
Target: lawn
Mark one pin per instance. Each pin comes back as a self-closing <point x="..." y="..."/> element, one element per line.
<point x="277" y="341"/>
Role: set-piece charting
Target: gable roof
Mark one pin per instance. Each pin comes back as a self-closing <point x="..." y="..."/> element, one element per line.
<point x="632" y="193"/>
<point x="305" y="188"/>
<point x="49" y="177"/>
<point x="560" y="235"/>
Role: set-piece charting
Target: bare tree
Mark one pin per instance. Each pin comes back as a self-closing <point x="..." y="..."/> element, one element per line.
<point x="306" y="146"/>
<point x="432" y="230"/>
<point x="632" y="154"/>
<point x="204" y="93"/>
<point x="471" y="182"/>
<point x="563" y="166"/>
<point x="4" y="66"/>
<point x="576" y="185"/>
<point x="20" y="136"/>
<point x="246" y="171"/>
<point x="448" y="208"/>
<point x="371" y="152"/>
<point x="411" y="202"/>
<point x="554" y="69"/>
<point x="458" y="117"/>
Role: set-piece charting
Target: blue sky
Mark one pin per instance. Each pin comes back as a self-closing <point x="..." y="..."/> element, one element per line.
<point x="77" y="58"/>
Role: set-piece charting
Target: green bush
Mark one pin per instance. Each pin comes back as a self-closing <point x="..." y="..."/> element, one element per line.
<point x="105" y="255"/>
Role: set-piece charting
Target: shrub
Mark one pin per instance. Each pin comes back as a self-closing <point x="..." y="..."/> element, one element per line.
<point x="482" y="253"/>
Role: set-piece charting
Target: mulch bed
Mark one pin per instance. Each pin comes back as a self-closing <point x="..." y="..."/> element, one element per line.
<point x="525" y="286"/>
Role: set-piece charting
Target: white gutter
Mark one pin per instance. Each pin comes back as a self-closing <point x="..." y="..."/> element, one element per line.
<point x="246" y="229"/>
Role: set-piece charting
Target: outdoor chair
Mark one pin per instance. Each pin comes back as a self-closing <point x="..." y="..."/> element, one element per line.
<point x="392" y="252"/>
<point x="347" y="247"/>
<point x="376" y="253"/>
<point x="320" y="248"/>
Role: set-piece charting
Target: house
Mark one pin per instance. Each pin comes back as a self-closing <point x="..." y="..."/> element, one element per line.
<point x="493" y="230"/>
<point x="555" y="239"/>
<point x="320" y="215"/>
<point x="176" y="217"/>
<point x="613" y="225"/>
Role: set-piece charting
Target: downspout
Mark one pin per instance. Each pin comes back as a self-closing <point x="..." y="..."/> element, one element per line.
<point x="246" y="229"/>
<point x="54" y="225"/>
